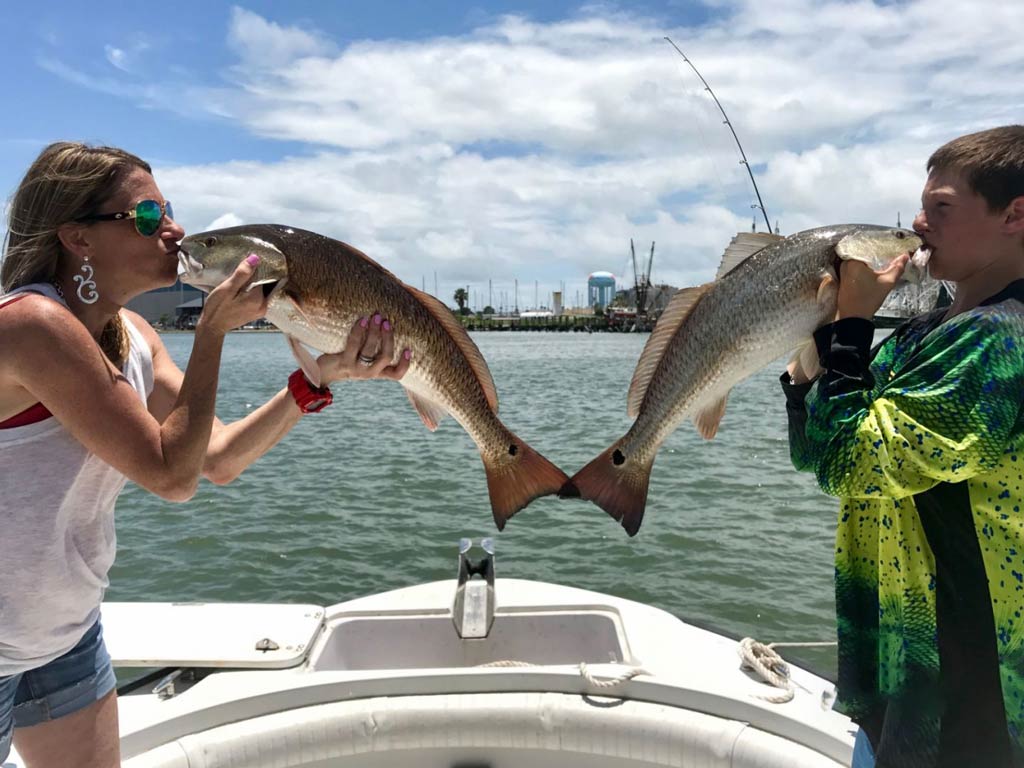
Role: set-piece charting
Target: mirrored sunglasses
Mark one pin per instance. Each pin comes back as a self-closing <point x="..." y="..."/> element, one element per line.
<point x="147" y="215"/>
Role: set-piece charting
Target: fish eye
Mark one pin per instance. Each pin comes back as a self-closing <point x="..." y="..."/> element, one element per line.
<point x="210" y="241"/>
<point x="900" y="234"/>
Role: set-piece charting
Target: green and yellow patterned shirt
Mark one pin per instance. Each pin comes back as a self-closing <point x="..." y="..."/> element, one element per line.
<point x="924" y="445"/>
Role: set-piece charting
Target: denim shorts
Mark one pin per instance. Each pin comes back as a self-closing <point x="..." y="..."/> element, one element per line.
<point x="67" y="684"/>
<point x="863" y="755"/>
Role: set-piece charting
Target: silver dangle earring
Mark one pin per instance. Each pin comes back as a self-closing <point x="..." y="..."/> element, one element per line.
<point x="86" y="285"/>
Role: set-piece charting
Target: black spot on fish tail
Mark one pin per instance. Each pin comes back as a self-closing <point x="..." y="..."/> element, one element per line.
<point x="618" y="458"/>
<point x="512" y="450"/>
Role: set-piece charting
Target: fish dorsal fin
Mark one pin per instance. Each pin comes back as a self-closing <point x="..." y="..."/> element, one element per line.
<point x="743" y="246"/>
<point x="678" y="309"/>
<point x="454" y="328"/>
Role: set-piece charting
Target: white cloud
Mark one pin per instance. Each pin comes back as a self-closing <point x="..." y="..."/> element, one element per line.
<point x="224" y="221"/>
<point x="102" y="84"/>
<point x="263" y="44"/>
<point x="536" y="150"/>
<point x="116" y="57"/>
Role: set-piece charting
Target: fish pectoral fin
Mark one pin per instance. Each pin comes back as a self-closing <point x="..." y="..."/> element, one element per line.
<point x="708" y="418"/>
<point x="430" y="412"/>
<point x="306" y="360"/>
<point x="828" y="288"/>
<point x="272" y="287"/>
<point x="295" y="308"/>
<point x="806" y="356"/>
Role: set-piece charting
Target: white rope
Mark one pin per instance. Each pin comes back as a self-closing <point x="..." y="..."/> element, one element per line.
<point x="770" y="666"/>
<point x="585" y="673"/>
<point x="610" y="682"/>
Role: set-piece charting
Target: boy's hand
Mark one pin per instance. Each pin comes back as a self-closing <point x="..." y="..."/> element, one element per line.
<point x="862" y="290"/>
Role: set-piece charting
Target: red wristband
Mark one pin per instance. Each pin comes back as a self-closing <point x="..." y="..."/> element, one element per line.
<point x="310" y="399"/>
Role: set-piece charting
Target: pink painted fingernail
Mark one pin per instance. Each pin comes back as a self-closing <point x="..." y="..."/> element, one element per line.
<point x="386" y="326"/>
<point x="364" y="322"/>
<point x="376" y="319"/>
<point x="252" y="259"/>
<point x="407" y="354"/>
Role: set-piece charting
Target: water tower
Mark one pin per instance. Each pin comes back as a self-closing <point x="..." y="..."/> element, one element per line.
<point x="600" y="289"/>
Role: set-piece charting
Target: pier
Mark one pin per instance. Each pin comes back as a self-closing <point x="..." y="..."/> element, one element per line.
<point x="556" y="323"/>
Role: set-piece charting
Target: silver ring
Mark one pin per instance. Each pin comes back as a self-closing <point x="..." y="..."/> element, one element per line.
<point x="367" y="361"/>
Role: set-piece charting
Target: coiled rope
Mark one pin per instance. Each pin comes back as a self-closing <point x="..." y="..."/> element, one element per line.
<point x="771" y="667"/>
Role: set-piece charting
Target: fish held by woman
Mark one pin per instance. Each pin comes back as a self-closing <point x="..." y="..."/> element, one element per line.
<point x="318" y="288"/>
<point x="769" y="296"/>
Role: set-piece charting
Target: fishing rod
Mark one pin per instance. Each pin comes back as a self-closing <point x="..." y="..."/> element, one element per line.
<point x="743" y="154"/>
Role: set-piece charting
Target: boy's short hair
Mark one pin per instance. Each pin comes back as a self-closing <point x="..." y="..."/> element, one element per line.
<point x="991" y="161"/>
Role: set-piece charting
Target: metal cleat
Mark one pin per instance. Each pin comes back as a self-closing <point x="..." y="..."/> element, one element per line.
<point x="473" y="608"/>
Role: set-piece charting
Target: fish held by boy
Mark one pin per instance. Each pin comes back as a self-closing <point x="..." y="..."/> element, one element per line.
<point x="318" y="288"/>
<point x="770" y="294"/>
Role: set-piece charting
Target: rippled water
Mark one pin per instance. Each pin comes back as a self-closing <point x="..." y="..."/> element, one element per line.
<point x="362" y="498"/>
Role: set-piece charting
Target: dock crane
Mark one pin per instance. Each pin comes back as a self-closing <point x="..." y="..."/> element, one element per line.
<point x="641" y="281"/>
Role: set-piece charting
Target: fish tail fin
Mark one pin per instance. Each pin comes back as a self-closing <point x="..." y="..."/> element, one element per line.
<point x="513" y="485"/>
<point x="616" y="486"/>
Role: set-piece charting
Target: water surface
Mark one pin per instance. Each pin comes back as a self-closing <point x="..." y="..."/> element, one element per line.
<point x="362" y="498"/>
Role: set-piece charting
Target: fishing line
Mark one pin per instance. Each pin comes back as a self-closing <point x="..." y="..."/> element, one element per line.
<point x="750" y="172"/>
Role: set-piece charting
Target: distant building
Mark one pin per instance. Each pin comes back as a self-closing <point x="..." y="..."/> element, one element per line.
<point x="658" y="297"/>
<point x="556" y="301"/>
<point x="600" y="289"/>
<point x="165" y="303"/>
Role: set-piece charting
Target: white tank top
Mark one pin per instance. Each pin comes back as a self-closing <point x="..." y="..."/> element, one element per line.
<point x="57" y="539"/>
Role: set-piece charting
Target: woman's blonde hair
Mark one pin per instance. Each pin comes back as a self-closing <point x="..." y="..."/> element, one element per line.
<point x="67" y="181"/>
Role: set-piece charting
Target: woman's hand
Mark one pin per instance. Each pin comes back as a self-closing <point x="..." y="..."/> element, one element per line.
<point x="369" y="354"/>
<point x="862" y="290"/>
<point x="232" y="303"/>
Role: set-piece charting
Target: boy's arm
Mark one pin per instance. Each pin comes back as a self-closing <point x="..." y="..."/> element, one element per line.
<point x="944" y="419"/>
<point x="796" y="414"/>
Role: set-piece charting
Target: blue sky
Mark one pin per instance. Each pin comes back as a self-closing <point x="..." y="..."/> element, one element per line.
<point x="503" y="141"/>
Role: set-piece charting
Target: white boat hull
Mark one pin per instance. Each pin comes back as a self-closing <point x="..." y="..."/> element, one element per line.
<point x="385" y="680"/>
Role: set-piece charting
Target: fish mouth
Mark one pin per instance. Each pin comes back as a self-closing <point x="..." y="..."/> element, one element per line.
<point x="921" y="256"/>
<point x="917" y="267"/>
<point x="187" y="266"/>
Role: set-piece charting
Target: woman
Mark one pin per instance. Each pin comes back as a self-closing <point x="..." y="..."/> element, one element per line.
<point x="89" y="397"/>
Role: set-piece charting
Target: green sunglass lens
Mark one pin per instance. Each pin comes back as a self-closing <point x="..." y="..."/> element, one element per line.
<point x="148" y="216"/>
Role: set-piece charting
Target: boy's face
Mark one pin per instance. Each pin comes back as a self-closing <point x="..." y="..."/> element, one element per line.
<point x="964" y="235"/>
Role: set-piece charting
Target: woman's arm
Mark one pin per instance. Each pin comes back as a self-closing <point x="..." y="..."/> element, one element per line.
<point x="47" y="352"/>
<point x="233" y="447"/>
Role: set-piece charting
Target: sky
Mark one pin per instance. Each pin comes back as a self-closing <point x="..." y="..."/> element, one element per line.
<point x="481" y="145"/>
